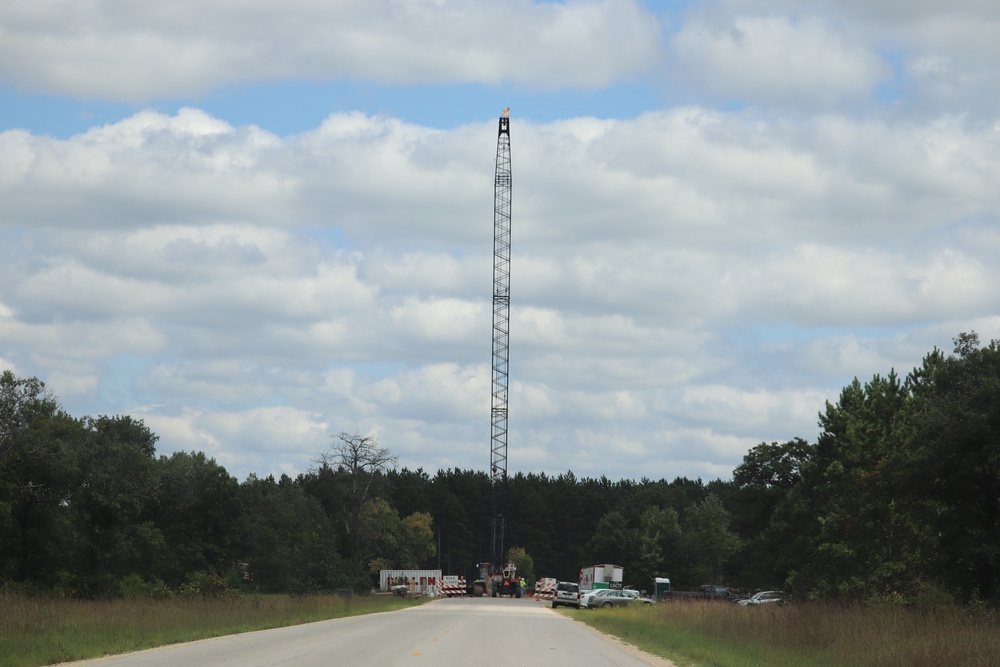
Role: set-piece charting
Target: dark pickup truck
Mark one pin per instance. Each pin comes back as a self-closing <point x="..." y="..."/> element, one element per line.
<point x="706" y="592"/>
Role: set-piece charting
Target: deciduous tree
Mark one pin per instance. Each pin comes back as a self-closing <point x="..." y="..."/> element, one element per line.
<point x="361" y="464"/>
<point x="36" y="475"/>
<point x="115" y="463"/>
<point x="524" y="563"/>
<point x="708" y="539"/>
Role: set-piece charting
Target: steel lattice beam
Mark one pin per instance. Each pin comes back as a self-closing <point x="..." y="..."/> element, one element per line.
<point x="501" y="335"/>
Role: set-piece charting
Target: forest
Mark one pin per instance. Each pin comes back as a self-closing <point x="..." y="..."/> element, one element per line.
<point x="898" y="498"/>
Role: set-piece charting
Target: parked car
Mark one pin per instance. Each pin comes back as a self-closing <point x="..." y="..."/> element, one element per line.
<point x="587" y="596"/>
<point x="705" y="592"/>
<point x="764" y="597"/>
<point x="605" y="597"/>
<point x="566" y="593"/>
<point x="636" y="597"/>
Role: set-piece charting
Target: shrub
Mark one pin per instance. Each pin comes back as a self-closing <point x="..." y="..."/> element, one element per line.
<point x="208" y="585"/>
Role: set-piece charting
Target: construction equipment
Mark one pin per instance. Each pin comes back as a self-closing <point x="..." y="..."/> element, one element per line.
<point x="498" y="574"/>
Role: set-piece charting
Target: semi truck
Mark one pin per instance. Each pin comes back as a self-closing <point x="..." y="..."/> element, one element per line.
<point x="601" y="576"/>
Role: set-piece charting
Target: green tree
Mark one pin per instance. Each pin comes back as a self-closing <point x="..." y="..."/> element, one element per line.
<point x="571" y="527"/>
<point x="417" y="539"/>
<point x="36" y="475"/>
<point x="762" y="484"/>
<point x="269" y="535"/>
<point x="460" y="506"/>
<point x="661" y="548"/>
<point x="524" y="563"/>
<point x="287" y="541"/>
<point x="115" y="464"/>
<point x="408" y="490"/>
<point x="378" y="535"/>
<point x="199" y="513"/>
<point x="391" y="542"/>
<point x="955" y="466"/>
<point x="613" y="541"/>
<point x="708" y="539"/>
<point x="851" y="524"/>
<point x="773" y="466"/>
<point x="530" y="518"/>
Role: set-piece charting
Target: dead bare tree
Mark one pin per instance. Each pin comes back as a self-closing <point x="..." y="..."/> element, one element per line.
<point x="360" y="463"/>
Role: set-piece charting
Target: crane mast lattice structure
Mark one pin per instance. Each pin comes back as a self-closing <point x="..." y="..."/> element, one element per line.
<point x="501" y="348"/>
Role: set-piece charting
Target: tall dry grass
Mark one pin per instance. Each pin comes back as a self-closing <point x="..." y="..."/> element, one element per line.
<point x="37" y="631"/>
<point x="808" y="635"/>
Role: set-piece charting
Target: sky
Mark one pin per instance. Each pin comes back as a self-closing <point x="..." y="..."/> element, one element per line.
<point x="256" y="225"/>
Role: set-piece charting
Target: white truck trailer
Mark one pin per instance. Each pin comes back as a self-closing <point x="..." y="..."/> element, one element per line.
<point x="601" y="576"/>
<point x="410" y="582"/>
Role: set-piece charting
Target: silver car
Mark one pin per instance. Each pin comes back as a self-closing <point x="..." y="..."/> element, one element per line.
<point x="606" y="597"/>
<point x="636" y="597"/>
<point x="764" y="597"/>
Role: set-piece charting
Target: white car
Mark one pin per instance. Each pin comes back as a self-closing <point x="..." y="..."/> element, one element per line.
<point x="764" y="597"/>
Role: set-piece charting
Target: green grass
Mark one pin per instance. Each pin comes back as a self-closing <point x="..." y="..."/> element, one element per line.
<point x="37" y="631"/>
<point x="708" y="634"/>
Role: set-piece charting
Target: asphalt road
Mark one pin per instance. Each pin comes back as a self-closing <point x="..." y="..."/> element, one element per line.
<point x="455" y="632"/>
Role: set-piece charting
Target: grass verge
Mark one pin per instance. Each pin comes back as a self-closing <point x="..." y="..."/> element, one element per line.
<point x="36" y="631"/>
<point x="707" y="634"/>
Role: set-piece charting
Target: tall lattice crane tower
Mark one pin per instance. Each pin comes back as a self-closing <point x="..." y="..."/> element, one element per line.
<point x="501" y="334"/>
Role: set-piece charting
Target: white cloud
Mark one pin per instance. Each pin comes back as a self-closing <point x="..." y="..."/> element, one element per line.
<point x="145" y="169"/>
<point x="685" y="284"/>
<point x="826" y="286"/>
<point x="935" y="57"/>
<point x="439" y="321"/>
<point x="142" y="51"/>
<point x="274" y="440"/>
<point x="686" y="281"/>
<point x="777" y="61"/>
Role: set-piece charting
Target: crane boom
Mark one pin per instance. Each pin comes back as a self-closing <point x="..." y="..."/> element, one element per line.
<point x="501" y="334"/>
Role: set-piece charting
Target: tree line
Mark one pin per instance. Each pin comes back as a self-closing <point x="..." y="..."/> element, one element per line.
<point x="898" y="498"/>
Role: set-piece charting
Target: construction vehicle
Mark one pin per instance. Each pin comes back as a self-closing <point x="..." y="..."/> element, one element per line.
<point x="501" y="582"/>
<point x="500" y="577"/>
